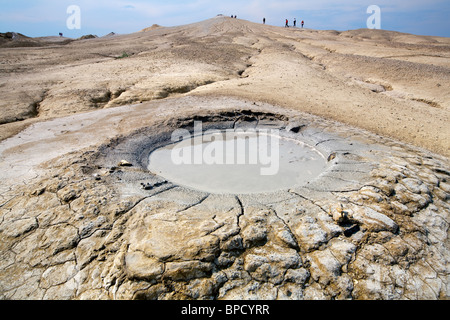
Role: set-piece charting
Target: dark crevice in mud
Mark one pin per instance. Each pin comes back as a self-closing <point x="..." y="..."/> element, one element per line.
<point x="327" y="140"/>
<point x="227" y="116"/>
<point x="295" y="244"/>
<point x="129" y="207"/>
<point x="194" y="204"/>
<point x="97" y="54"/>
<point x="5" y="203"/>
<point x="240" y="214"/>
<point x="186" y="88"/>
<point x="445" y="173"/>
<point x="33" y="111"/>
<point x="35" y="106"/>
<point x="151" y="186"/>
<point x="241" y="72"/>
<point x="102" y="99"/>
<point x="351" y="230"/>
<point x="296" y="128"/>
<point x="307" y="199"/>
<point x="241" y="206"/>
<point x="108" y="97"/>
<point x="432" y="104"/>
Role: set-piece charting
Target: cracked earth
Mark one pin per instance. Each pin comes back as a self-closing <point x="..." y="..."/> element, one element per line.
<point x="81" y="216"/>
<point x="372" y="226"/>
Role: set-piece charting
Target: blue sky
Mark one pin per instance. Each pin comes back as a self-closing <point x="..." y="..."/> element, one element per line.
<point x="48" y="17"/>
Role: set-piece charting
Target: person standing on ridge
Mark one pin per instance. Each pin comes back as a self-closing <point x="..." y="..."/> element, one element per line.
<point x="295" y="22"/>
<point x="303" y="22"/>
<point x="287" y="24"/>
<point x="264" y="20"/>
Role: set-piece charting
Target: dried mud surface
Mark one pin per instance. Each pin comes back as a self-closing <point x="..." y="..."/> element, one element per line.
<point x="76" y="223"/>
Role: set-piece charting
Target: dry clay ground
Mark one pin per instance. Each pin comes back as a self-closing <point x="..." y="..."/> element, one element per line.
<point x="374" y="225"/>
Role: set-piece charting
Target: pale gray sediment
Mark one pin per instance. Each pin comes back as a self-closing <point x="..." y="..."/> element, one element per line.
<point x="238" y="161"/>
<point x="373" y="225"/>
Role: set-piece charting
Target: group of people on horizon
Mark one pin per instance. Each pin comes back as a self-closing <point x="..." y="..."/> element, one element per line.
<point x="287" y="22"/>
<point x="286" y="25"/>
<point x="295" y="23"/>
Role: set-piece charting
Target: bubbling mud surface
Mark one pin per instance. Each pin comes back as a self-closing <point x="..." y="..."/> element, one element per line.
<point x="238" y="162"/>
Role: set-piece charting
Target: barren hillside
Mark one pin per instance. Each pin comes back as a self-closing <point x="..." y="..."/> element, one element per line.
<point x="390" y="83"/>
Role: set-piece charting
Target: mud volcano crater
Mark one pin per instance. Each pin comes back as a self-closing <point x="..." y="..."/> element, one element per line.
<point x="237" y="160"/>
<point x="359" y="227"/>
<point x="230" y="152"/>
<point x="104" y="223"/>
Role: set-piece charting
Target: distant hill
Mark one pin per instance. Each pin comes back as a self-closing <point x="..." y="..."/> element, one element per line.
<point x="89" y="36"/>
<point x="153" y="27"/>
<point x="15" y="39"/>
